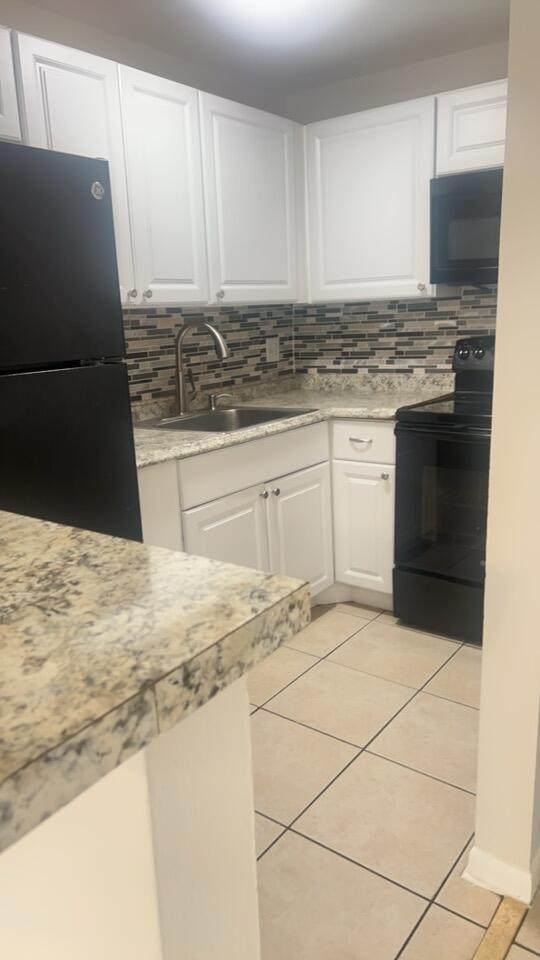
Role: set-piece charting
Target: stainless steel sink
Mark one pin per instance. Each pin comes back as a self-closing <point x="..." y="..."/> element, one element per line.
<point x="226" y="419"/>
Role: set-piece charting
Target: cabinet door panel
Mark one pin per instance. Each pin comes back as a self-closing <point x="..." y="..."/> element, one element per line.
<point x="300" y="526"/>
<point x="232" y="529"/>
<point x="364" y="524"/>
<point x="10" y="127"/>
<point x="249" y="173"/>
<point x="72" y="104"/>
<point x="163" y="155"/>
<point x="368" y="200"/>
<point x="471" y="128"/>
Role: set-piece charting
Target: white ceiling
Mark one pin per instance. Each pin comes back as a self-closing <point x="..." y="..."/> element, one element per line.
<point x="291" y="45"/>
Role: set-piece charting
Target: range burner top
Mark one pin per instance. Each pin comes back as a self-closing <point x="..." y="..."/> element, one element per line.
<point x="455" y="409"/>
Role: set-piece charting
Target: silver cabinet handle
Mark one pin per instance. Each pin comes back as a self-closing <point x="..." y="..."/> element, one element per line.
<point x="385" y="476"/>
<point x="220" y="294"/>
<point x="264" y="494"/>
<point x="421" y="287"/>
<point x="148" y="294"/>
<point x="361" y="439"/>
<point x="132" y="293"/>
<point x="276" y="491"/>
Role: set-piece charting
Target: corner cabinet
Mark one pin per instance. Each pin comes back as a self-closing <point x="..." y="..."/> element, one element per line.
<point x="471" y="128"/>
<point x="249" y="180"/>
<point x="164" y="177"/>
<point x="10" y="127"/>
<point x="72" y="104"/>
<point x="368" y="180"/>
<point x="282" y="526"/>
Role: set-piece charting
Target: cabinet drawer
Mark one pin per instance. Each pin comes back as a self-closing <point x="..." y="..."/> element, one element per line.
<point x="366" y="440"/>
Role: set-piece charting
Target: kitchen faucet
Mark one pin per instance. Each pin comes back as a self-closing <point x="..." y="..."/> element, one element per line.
<point x="221" y="349"/>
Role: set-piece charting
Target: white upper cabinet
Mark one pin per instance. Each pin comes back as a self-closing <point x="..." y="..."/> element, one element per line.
<point x="72" y="104"/>
<point x="163" y="157"/>
<point x="368" y="202"/>
<point x="248" y="162"/>
<point x="10" y="127"/>
<point x="471" y="128"/>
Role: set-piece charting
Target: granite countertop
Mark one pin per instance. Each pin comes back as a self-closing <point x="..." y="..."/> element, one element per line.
<point x="372" y="401"/>
<point x="106" y="643"/>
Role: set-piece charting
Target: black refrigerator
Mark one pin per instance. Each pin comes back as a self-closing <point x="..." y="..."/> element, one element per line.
<point x="66" y="440"/>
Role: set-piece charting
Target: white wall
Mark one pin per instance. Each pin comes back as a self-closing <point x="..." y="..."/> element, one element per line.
<point x="507" y="852"/>
<point x="41" y="23"/>
<point x="404" y="83"/>
<point x="415" y="80"/>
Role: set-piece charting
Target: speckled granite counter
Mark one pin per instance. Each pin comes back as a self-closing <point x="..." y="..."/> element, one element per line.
<point x="105" y="643"/>
<point x="373" y="401"/>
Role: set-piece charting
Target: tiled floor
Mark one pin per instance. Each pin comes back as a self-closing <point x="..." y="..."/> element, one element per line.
<point x="364" y="751"/>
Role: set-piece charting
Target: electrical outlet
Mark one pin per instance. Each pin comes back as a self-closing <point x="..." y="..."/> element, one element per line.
<point x="272" y="349"/>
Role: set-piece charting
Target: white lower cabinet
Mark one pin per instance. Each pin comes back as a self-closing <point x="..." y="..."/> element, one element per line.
<point x="283" y="526"/>
<point x="232" y="529"/>
<point x="300" y="526"/>
<point x="364" y="524"/>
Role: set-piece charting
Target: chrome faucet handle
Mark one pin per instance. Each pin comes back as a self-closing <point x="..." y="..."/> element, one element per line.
<point x="213" y="399"/>
<point x="191" y="379"/>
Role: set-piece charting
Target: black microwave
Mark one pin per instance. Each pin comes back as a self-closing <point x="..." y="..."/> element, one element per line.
<point x="465" y="227"/>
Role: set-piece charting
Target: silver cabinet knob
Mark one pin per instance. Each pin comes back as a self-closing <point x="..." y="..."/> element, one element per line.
<point x="132" y="293"/>
<point x="148" y="294"/>
<point x="421" y="287"/>
<point x="264" y="494"/>
<point x="385" y="476"/>
<point x="367" y="440"/>
<point x="276" y="491"/>
<point x="220" y="294"/>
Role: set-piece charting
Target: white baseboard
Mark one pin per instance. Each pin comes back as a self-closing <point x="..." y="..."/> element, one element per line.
<point x="485" y="870"/>
<point x="343" y="593"/>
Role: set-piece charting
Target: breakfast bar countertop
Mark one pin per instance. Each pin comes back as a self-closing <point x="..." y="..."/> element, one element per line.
<point x="105" y="644"/>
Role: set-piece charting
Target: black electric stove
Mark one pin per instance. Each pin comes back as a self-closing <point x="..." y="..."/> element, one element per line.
<point x="442" y="468"/>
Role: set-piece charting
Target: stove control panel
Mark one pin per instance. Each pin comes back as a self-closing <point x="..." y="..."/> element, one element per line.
<point x="474" y="354"/>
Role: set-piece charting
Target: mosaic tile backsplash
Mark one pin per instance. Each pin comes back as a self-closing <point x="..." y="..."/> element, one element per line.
<point x="412" y="336"/>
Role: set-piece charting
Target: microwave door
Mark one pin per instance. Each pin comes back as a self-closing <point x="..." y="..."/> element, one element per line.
<point x="465" y="228"/>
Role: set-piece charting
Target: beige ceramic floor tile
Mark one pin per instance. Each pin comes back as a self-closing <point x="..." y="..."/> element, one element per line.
<point x="466" y="898"/>
<point x="529" y="934"/>
<point x="326" y="633"/>
<point x="460" y="679"/>
<point x="266" y="832"/>
<point x="276" y="672"/>
<point x="519" y="953"/>
<point x="435" y="736"/>
<point x="357" y="610"/>
<point x="402" y="824"/>
<point x="341" y="701"/>
<point x="291" y="764"/>
<point x="387" y="618"/>
<point x="316" y="906"/>
<point x="443" y="936"/>
<point x="395" y="653"/>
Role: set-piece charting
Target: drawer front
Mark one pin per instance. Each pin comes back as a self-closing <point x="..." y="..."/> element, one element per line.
<point x="220" y="472"/>
<point x="366" y="440"/>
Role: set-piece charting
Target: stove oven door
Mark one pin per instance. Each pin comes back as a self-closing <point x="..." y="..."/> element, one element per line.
<point x="440" y="534"/>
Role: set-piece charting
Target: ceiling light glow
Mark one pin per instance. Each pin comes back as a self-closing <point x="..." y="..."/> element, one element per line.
<point x="276" y="22"/>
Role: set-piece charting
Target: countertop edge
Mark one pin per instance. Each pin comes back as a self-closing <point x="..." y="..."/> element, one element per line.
<point x="34" y="792"/>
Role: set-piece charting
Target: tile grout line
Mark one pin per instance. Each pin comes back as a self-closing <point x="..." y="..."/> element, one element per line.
<point x="368" y="744"/>
<point x="433" y="900"/>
